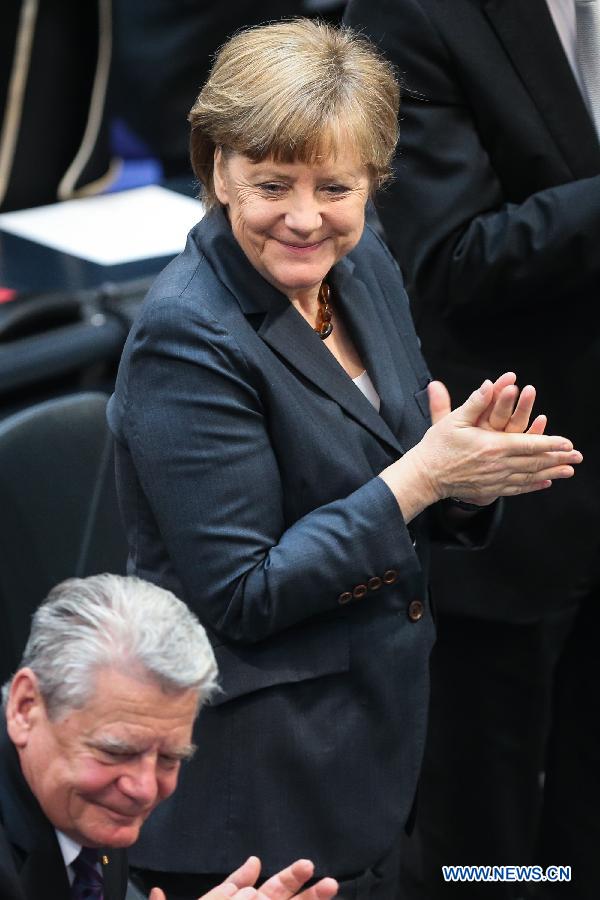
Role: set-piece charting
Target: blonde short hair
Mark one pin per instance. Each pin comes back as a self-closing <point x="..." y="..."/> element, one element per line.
<point x="296" y="90"/>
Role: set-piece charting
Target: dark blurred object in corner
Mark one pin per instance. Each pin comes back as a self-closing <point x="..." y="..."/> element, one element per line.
<point x="55" y="57"/>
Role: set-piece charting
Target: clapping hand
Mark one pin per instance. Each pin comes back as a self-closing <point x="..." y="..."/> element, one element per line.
<point x="480" y="451"/>
<point x="510" y="411"/>
<point x="283" y="886"/>
<point x="517" y="464"/>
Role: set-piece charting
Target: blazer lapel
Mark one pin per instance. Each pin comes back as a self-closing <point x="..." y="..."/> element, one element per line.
<point x="282" y="327"/>
<point x="527" y="32"/>
<point x="114" y="873"/>
<point x="44" y="873"/>
<point x="289" y="335"/>
<point x="370" y="329"/>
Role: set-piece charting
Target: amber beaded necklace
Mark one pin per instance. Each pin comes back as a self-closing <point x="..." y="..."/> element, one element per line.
<point x="324" y="325"/>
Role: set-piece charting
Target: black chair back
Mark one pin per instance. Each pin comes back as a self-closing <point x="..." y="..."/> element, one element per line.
<point x="58" y="508"/>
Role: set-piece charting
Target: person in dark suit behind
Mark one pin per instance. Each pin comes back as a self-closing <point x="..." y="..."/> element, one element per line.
<point x="276" y="468"/>
<point x="163" y="53"/>
<point x="494" y="216"/>
<point x="97" y="722"/>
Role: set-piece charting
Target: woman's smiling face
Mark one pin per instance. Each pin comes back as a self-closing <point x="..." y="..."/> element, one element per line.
<point x="293" y="221"/>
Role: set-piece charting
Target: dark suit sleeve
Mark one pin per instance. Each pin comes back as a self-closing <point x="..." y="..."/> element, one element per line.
<point x="461" y="243"/>
<point x="10" y="888"/>
<point x="199" y="438"/>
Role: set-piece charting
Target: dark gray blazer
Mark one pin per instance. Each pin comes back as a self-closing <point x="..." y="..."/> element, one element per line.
<point x="31" y="862"/>
<point x="247" y="463"/>
<point x="494" y="215"/>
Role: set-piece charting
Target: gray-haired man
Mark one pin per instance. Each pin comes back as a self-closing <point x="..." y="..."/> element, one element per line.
<point x="98" y="720"/>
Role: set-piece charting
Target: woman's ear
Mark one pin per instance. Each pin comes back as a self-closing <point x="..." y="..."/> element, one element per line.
<point x="220" y="176"/>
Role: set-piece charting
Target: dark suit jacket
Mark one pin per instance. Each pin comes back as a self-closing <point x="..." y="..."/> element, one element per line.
<point x="31" y="862"/>
<point x="495" y="217"/>
<point x="247" y="463"/>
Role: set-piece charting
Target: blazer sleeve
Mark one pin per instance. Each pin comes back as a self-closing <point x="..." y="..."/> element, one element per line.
<point x="461" y="243"/>
<point x="198" y="435"/>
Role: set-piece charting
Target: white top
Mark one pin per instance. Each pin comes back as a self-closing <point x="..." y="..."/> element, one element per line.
<point x="563" y="16"/>
<point x="364" y="384"/>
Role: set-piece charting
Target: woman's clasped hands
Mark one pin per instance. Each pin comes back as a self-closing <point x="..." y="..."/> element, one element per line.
<point x="480" y="451"/>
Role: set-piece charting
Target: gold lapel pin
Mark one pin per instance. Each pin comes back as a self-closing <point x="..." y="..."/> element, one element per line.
<point x="105" y="860"/>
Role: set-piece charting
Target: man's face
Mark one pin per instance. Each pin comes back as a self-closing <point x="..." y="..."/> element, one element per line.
<point x="99" y="772"/>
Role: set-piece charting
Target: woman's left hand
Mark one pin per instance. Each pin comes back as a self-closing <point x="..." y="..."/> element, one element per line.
<point x="464" y="456"/>
<point x="509" y="410"/>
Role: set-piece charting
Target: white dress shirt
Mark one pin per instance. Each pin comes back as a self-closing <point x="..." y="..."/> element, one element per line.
<point x="70" y="851"/>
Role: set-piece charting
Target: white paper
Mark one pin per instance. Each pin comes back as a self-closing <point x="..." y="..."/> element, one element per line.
<point x="112" y="228"/>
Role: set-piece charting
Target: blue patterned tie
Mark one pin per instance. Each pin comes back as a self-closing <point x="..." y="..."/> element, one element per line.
<point x="87" y="884"/>
<point x="588" y="53"/>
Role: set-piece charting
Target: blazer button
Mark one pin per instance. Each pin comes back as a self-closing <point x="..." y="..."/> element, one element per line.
<point x="374" y="583"/>
<point x="359" y="591"/>
<point x="390" y="576"/>
<point x="415" y="610"/>
<point x="345" y="597"/>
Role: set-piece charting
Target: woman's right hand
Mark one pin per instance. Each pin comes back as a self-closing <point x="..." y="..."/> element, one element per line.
<point x="461" y="456"/>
